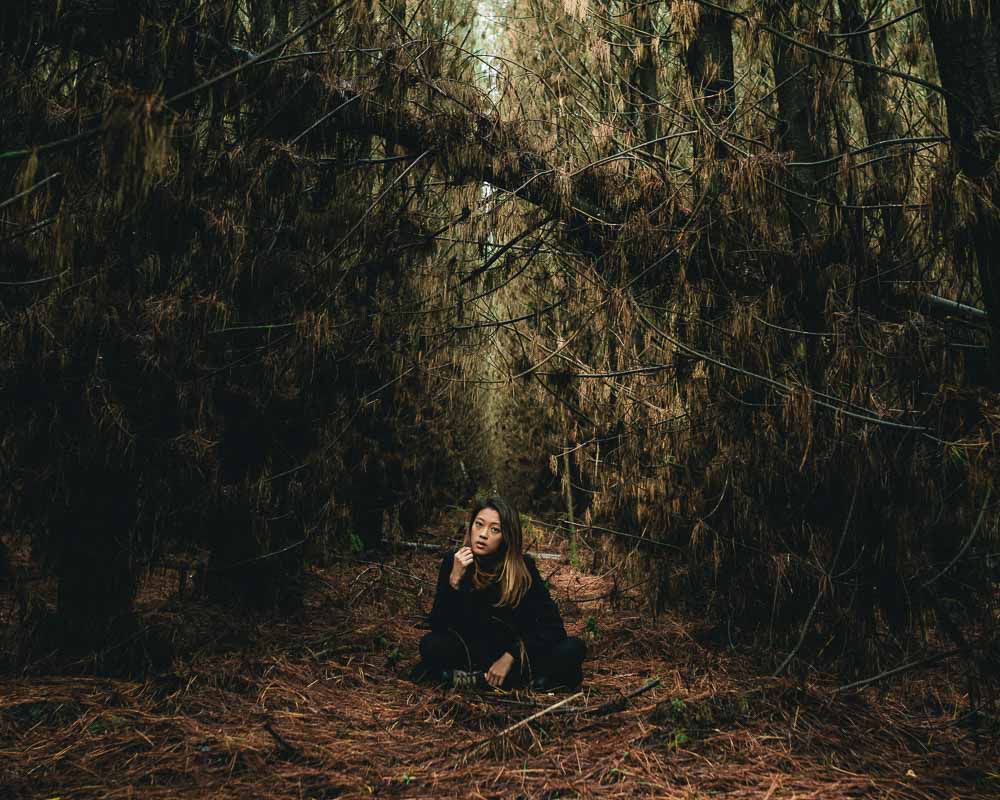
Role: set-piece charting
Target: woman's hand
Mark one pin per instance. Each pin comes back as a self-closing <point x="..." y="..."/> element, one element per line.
<point x="498" y="671"/>
<point x="463" y="557"/>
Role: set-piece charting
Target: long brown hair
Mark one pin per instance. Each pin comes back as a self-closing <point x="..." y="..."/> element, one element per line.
<point x="512" y="574"/>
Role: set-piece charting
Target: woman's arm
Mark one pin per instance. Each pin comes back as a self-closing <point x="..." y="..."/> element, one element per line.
<point x="447" y="598"/>
<point x="537" y="616"/>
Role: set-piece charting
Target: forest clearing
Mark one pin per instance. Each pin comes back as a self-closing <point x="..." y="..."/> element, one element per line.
<point x="699" y="297"/>
<point x="320" y="707"/>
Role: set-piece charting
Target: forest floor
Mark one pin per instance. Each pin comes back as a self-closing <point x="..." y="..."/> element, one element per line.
<point x="320" y="707"/>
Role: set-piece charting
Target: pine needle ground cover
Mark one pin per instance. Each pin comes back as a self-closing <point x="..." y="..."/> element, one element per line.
<point x="319" y="706"/>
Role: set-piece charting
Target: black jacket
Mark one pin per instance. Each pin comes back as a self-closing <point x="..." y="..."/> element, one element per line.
<point x="535" y="621"/>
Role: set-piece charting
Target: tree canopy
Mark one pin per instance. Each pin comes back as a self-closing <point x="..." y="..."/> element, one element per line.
<point x="716" y="280"/>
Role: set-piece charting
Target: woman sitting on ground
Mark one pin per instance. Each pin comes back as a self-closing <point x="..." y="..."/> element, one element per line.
<point x="493" y="618"/>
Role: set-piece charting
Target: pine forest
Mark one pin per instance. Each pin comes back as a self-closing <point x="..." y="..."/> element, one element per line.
<point x="708" y="290"/>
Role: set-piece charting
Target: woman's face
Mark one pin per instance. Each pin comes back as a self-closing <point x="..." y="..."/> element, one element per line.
<point x="485" y="536"/>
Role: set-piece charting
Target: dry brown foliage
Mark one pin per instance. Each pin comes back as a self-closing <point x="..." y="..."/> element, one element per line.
<point x="319" y="706"/>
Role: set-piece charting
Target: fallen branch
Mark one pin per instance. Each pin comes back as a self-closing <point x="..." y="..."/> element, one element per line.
<point x="523" y="722"/>
<point x="934" y="306"/>
<point x="923" y="662"/>
<point x="286" y="746"/>
<point x="611" y="706"/>
<point x="618" y="705"/>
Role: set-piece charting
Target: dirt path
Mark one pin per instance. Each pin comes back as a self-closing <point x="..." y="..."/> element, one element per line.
<point x="319" y="708"/>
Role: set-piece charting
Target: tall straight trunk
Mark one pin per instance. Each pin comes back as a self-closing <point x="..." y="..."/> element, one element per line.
<point x="643" y="91"/>
<point x="394" y="90"/>
<point x="97" y="562"/>
<point x="802" y="135"/>
<point x="799" y="131"/>
<point x="708" y="58"/>
<point x="966" y="41"/>
<point x="709" y="61"/>
<point x="281" y="19"/>
<point x="890" y="175"/>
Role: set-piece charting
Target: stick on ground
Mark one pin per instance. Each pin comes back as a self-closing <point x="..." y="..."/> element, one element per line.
<point x="524" y="721"/>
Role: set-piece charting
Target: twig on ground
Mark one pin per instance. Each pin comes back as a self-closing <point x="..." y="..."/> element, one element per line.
<point x="922" y="662"/>
<point x="525" y="721"/>
<point x="617" y="705"/>
<point x="286" y="746"/>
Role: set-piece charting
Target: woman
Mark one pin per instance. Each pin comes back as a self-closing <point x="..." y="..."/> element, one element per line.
<point x="492" y="613"/>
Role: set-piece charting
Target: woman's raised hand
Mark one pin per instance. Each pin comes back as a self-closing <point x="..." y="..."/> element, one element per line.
<point x="463" y="557"/>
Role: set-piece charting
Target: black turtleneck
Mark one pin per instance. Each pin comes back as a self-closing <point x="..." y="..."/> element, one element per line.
<point x="473" y="612"/>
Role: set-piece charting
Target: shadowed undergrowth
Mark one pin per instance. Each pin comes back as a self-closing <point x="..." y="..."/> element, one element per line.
<point x="318" y="706"/>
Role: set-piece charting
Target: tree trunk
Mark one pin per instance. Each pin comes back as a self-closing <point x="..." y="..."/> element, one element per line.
<point x="643" y="93"/>
<point x="889" y="176"/>
<point x="708" y="58"/>
<point x="799" y="127"/>
<point x="95" y="562"/>
<point x="966" y="41"/>
<point x="709" y="61"/>
<point x="802" y="135"/>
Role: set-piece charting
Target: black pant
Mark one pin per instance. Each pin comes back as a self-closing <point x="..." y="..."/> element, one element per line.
<point x="559" y="664"/>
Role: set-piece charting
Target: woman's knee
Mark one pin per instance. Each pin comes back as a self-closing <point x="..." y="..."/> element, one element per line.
<point x="444" y="650"/>
<point x="574" y="649"/>
<point x="435" y="647"/>
<point x="566" y="655"/>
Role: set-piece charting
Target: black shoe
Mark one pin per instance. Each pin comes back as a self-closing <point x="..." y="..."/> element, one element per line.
<point x="461" y="679"/>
